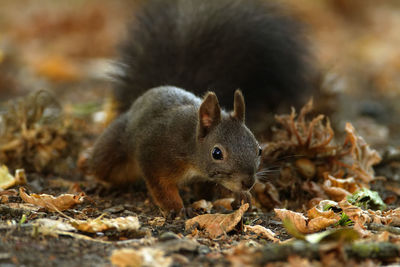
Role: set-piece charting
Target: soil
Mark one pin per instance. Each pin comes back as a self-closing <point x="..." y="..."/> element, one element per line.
<point x="66" y="48"/>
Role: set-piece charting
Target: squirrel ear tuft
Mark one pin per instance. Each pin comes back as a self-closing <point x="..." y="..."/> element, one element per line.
<point x="209" y="114"/>
<point x="239" y="106"/>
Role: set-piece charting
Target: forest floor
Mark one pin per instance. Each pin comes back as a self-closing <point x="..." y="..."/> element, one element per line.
<point x="333" y="186"/>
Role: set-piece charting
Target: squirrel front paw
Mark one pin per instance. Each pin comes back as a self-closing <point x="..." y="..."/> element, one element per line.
<point x="184" y="213"/>
<point x="240" y="199"/>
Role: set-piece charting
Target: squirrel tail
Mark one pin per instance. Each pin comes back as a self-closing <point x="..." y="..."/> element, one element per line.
<point x="219" y="45"/>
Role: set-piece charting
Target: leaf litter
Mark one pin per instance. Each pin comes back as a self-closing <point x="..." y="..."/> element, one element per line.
<point x="331" y="173"/>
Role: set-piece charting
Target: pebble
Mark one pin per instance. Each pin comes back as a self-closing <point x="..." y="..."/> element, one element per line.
<point x="168" y="236"/>
<point x="115" y="209"/>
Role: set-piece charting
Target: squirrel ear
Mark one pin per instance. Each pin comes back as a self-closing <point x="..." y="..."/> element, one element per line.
<point x="209" y="114"/>
<point x="239" y="106"/>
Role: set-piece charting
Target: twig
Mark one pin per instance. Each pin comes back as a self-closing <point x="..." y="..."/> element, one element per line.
<point x="381" y="251"/>
<point x="380" y="227"/>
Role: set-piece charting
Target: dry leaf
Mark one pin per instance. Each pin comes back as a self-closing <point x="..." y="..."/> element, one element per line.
<point x="358" y="157"/>
<point x="356" y="214"/>
<point x="317" y="224"/>
<point x="7" y="180"/>
<point x="338" y="188"/>
<point x="396" y="217"/>
<point x="34" y="134"/>
<point x="313" y="137"/>
<point x="157" y="221"/>
<point x="304" y="225"/>
<point x="51" y="203"/>
<point x="128" y="257"/>
<point x="317" y="212"/>
<point x="217" y="224"/>
<point x="349" y="184"/>
<point x="56" y="225"/>
<point x="360" y="217"/>
<point x="335" y="193"/>
<point x="298" y="219"/>
<point x="262" y="232"/>
<point x="130" y="223"/>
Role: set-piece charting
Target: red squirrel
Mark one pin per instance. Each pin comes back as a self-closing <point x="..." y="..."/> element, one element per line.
<point x="171" y="137"/>
<point x="168" y="135"/>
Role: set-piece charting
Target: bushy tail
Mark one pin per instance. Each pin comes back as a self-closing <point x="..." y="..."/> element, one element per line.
<point x="218" y="45"/>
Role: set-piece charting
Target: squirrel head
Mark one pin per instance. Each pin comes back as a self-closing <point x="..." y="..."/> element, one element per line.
<point x="227" y="151"/>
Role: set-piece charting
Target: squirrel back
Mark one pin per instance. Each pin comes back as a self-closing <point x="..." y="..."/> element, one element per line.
<point x="222" y="45"/>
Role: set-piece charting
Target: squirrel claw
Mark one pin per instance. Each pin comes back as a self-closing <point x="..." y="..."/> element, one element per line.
<point x="240" y="199"/>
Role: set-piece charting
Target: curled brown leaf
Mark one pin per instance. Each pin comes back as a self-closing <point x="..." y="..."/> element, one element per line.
<point x="51" y="203"/>
<point x="217" y="224"/>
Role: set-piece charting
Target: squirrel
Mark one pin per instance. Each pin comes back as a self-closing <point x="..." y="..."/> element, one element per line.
<point x="168" y="135"/>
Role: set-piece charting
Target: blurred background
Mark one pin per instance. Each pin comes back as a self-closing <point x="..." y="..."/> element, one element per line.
<point x="67" y="47"/>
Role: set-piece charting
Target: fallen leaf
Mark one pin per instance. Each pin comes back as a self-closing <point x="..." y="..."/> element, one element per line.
<point x="262" y="232"/>
<point x="130" y="223"/>
<point x="298" y="220"/>
<point x="317" y="224"/>
<point x="396" y="217"/>
<point x="318" y="211"/>
<point x="314" y="136"/>
<point x="56" y="225"/>
<point x="51" y="203"/>
<point x="338" y="188"/>
<point x="304" y="225"/>
<point x="341" y="234"/>
<point x="128" y="257"/>
<point x="358" y="157"/>
<point x="360" y="216"/>
<point x="7" y="180"/>
<point x="217" y="224"/>
<point x="157" y="221"/>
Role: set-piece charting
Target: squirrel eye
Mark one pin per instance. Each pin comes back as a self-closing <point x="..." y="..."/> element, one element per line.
<point x="259" y="151"/>
<point x="217" y="153"/>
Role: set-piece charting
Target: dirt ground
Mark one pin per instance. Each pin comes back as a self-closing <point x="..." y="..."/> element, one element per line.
<point x="66" y="50"/>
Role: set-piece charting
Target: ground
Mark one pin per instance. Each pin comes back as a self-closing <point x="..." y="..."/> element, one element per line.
<point x="65" y="50"/>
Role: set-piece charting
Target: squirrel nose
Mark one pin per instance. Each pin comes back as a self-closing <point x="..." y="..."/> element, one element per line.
<point x="248" y="182"/>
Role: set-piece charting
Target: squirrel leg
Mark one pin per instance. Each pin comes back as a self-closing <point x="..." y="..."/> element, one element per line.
<point x="165" y="194"/>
